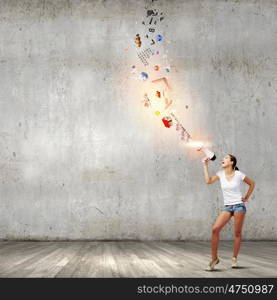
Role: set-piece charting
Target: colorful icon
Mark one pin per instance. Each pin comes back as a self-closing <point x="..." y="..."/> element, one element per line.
<point x="156" y="68"/>
<point x="157" y="113"/>
<point x="143" y="76"/>
<point x="158" y="94"/>
<point x="146" y="100"/>
<point x="167" y="122"/>
<point x="137" y="40"/>
<point x="159" y="38"/>
<point x="167" y="103"/>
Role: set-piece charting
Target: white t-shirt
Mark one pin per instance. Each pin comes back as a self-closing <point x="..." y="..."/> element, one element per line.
<point x="231" y="189"/>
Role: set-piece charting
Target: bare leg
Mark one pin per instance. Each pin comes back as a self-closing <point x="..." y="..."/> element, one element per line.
<point x="220" y="222"/>
<point x="238" y="222"/>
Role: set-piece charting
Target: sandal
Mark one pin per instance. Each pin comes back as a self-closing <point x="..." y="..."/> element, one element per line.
<point x="212" y="264"/>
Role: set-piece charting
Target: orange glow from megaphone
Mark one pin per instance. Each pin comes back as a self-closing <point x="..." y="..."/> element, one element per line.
<point x="197" y="144"/>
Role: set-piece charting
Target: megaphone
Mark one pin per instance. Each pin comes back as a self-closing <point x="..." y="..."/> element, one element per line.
<point x="209" y="154"/>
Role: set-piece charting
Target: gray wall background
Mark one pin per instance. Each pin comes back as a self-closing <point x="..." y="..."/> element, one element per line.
<point x="79" y="156"/>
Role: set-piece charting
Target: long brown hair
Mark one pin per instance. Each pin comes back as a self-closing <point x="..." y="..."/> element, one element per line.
<point x="234" y="160"/>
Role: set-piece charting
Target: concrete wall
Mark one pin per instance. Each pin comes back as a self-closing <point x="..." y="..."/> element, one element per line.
<point x="81" y="158"/>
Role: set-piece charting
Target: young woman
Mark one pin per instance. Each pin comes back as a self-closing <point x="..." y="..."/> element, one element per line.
<point x="230" y="179"/>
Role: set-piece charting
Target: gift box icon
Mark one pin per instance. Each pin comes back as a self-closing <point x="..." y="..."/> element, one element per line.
<point x="167" y="122"/>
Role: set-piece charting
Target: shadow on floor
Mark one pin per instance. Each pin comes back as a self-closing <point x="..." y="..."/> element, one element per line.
<point x="222" y="270"/>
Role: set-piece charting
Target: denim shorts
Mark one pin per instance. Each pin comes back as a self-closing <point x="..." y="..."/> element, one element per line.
<point x="237" y="208"/>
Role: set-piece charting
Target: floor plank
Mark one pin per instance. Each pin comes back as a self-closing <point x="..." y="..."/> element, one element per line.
<point x="133" y="259"/>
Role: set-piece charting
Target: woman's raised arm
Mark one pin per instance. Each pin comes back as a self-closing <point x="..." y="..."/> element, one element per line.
<point x="208" y="179"/>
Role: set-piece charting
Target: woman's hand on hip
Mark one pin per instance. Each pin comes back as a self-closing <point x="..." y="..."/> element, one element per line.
<point x="244" y="199"/>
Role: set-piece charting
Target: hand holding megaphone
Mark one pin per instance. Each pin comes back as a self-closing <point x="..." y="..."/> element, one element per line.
<point x="209" y="154"/>
<point x="205" y="160"/>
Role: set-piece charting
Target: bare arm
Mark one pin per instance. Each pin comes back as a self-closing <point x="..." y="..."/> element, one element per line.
<point x="251" y="184"/>
<point x="209" y="179"/>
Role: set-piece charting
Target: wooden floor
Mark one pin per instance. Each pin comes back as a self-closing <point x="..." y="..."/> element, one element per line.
<point x="133" y="259"/>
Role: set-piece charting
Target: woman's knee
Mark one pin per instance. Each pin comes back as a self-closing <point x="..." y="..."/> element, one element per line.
<point x="237" y="233"/>
<point x="216" y="230"/>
